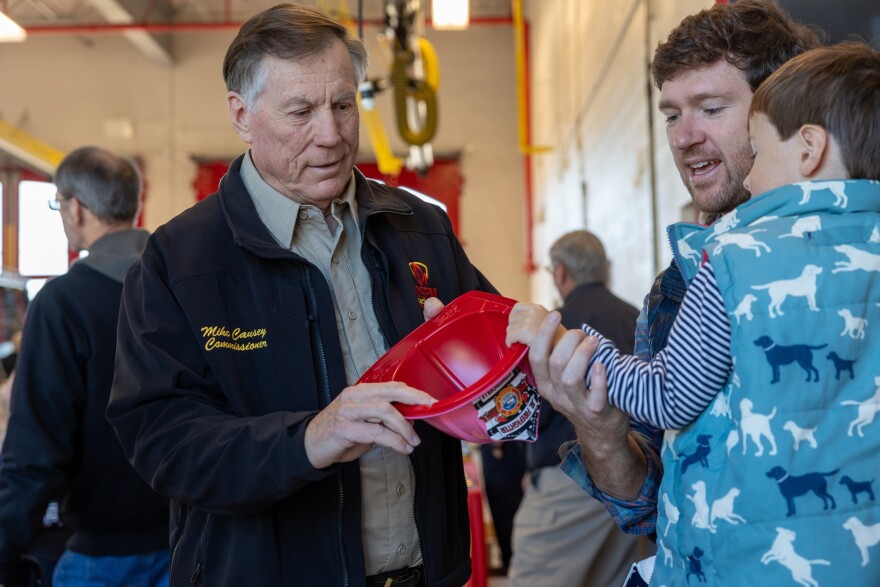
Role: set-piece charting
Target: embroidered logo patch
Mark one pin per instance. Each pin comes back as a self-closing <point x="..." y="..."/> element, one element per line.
<point x="237" y="339"/>
<point x="420" y="275"/>
<point x="511" y="410"/>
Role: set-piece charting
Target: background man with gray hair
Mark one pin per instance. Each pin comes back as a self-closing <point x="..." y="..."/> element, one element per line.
<point x="561" y="535"/>
<point x="59" y="444"/>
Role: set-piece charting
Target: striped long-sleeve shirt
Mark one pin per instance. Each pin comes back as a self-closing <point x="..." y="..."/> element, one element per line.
<point x="672" y="389"/>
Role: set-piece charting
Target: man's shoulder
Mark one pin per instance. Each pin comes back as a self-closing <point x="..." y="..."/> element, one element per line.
<point x="385" y="196"/>
<point x="193" y="216"/>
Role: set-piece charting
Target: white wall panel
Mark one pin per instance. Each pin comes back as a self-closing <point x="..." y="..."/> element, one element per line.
<point x="601" y="136"/>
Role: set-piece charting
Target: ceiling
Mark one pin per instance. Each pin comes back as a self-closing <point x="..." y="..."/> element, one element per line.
<point x="62" y="13"/>
<point x="148" y="26"/>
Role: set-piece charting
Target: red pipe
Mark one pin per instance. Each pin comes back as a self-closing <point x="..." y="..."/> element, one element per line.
<point x="196" y="27"/>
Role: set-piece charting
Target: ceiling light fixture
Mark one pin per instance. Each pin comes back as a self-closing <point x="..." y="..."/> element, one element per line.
<point x="10" y="32"/>
<point x="450" y="15"/>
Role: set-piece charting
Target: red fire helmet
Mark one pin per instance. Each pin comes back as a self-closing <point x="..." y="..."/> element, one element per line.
<point x="485" y="389"/>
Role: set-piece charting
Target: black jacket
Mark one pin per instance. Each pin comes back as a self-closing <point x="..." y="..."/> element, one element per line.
<point x="59" y="444"/>
<point x="615" y="319"/>
<point x="227" y="349"/>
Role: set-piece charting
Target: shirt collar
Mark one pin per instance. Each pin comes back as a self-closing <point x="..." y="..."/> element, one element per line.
<point x="277" y="211"/>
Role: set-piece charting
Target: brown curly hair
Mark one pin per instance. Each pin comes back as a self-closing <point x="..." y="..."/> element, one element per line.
<point x="756" y="36"/>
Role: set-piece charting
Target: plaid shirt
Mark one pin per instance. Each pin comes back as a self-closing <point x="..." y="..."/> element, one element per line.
<point x="638" y="516"/>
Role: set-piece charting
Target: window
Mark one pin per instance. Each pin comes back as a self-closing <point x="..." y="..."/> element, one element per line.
<point x="42" y="245"/>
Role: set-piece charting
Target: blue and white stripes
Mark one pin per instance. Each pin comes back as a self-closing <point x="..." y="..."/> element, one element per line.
<point x="679" y="383"/>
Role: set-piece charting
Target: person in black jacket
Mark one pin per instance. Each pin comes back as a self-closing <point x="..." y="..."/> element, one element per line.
<point x="561" y="535"/>
<point x="248" y="321"/>
<point x="59" y="444"/>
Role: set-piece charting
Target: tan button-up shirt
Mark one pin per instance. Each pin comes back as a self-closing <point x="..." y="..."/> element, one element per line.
<point x="333" y="245"/>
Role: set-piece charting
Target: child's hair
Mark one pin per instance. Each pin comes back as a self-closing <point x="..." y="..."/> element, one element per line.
<point x="837" y="88"/>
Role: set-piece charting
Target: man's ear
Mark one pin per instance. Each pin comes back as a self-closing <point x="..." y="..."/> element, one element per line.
<point x="813" y="143"/>
<point x="76" y="211"/>
<point x="239" y="114"/>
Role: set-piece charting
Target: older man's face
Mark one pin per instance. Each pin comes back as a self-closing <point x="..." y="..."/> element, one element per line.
<point x="303" y="128"/>
<point x="707" y="117"/>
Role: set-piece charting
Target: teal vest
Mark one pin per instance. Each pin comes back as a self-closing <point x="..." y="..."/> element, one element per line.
<point x="775" y="483"/>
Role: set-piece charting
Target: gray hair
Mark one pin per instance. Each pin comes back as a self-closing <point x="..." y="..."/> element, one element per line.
<point x="105" y="183"/>
<point x="583" y="255"/>
<point x="285" y="31"/>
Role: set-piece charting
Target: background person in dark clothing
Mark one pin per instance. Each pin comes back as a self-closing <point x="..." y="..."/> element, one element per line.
<point x="58" y="444"/>
<point x="561" y="535"/>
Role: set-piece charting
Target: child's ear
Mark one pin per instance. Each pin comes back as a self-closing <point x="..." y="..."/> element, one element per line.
<point x="813" y="143"/>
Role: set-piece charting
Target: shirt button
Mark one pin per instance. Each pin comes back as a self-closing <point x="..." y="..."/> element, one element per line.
<point x="303" y="214"/>
<point x="401" y="489"/>
<point x="335" y="260"/>
<point x="352" y="315"/>
<point x="401" y="550"/>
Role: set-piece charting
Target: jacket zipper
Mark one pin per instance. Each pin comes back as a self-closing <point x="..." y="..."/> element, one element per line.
<point x="201" y="550"/>
<point x="327" y="399"/>
<point x="174" y="557"/>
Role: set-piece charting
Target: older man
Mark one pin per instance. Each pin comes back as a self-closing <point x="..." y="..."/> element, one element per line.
<point x="248" y="322"/>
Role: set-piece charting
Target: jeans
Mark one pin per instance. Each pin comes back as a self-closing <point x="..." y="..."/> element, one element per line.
<point x="143" y="570"/>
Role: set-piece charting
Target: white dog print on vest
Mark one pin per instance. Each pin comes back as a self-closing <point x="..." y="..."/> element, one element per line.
<point x="804" y="225"/>
<point x="782" y="551"/>
<point x="701" y="515"/>
<point x="688" y="251"/>
<point x="802" y="286"/>
<point x="865" y="536"/>
<point x="867" y="410"/>
<point x="755" y="427"/>
<point x="667" y="553"/>
<point x="744" y="308"/>
<point x="732" y="440"/>
<point x="763" y="219"/>
<point x="724" y="224"/>
<point x="858" y="260"/>
<point x="852" y="325"/>
<point x="838" y="188"/>
<point x="672" y="513"/>
<point x="722" y="509"/>
<point x="669" y="441"/>
<point x="743" y="240"/>
<point x="721" y="406"/>
<point x="799" y="434"/>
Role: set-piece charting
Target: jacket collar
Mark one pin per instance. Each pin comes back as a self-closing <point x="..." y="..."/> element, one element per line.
<point x="797" y="199"/>
<point x="248" y="230"/>
<point x="113" y="254"/>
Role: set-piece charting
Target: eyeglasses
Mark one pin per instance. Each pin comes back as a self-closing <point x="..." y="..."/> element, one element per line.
<point x="55" y="203"/>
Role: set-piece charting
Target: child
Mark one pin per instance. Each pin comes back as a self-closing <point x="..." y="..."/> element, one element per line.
<point x="774" y="335"/>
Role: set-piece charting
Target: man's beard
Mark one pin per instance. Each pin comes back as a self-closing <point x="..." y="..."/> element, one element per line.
<point x="732" y="192"/>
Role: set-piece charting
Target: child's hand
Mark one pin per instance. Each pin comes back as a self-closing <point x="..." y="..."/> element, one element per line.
<point x="524" y="322"/>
